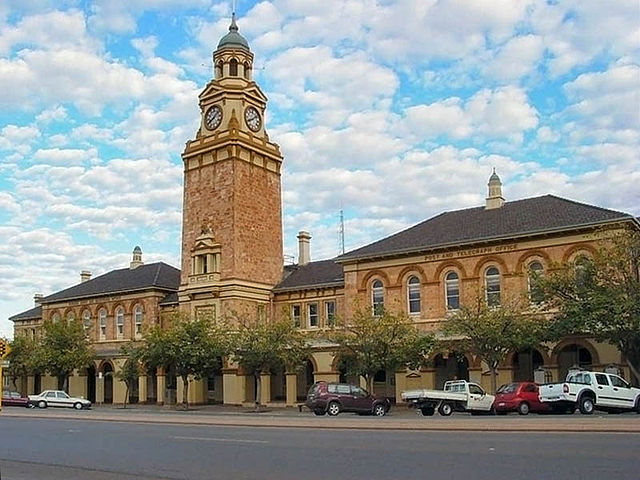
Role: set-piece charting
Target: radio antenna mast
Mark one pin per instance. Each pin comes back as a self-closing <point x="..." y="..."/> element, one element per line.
<point x="341" y="231"/>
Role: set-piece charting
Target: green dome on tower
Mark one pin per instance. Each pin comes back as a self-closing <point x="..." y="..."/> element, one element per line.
<point x="233" y="38"/>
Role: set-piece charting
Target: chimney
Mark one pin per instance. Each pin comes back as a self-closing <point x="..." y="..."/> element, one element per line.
<point x="85" y="276"/>
<point x="495" y="198"/>
<point x="37" y="299"/>
<point x="136" y="261"/>
<point x="304" y="255"/>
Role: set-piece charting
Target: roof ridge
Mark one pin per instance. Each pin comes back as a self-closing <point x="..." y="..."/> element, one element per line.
<point x="575" y="202"/>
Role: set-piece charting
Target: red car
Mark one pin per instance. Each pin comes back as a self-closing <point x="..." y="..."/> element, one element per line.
<point x="521" y="397"/>
<point x="14" y="399"/>
<point x="333" y="398"/>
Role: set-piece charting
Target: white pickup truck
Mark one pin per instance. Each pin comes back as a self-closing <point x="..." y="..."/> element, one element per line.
<point x="458" y="395"/>
<point x="591" y="391"/>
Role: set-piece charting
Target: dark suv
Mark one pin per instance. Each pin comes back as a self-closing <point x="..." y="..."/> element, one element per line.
<point x="333" y="398"/>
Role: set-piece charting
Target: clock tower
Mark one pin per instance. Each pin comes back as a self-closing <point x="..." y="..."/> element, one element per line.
<point x="232" y="220"/>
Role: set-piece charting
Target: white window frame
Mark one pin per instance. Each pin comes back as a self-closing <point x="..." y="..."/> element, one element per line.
<point x="120" y="322"/>
<point x="297" y="319"/>
<point x="448" y="284"/>
<point x="102" y="316"/>
<point x="493" y="298"/>
<point x="313" y="317"/>
<point x="330" y="317"/>
<point x="414" y="287"/>
<point x="138" y="317"/>
<point x="86" y="320"/>
<point x="377" y="297"/>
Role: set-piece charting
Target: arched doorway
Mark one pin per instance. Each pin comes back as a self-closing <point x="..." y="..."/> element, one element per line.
<point x="278" y="384"/>
<point x="215" y="384"/>
<point x="524" y="363"/>
<point x="107" y="374"/>
<point x="37" y="384"/>
<point x="573" y="356"/>
<point x="152" y="386"/>
<point x="384" y="384"/>
<point x="91" y="383"/>
<point x="453" y="366"/>
<point x="305" y="379"/>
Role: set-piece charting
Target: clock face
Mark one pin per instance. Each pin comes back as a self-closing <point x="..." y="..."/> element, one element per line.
<point x="213" y="118"/>
<point x="252" y="117"/>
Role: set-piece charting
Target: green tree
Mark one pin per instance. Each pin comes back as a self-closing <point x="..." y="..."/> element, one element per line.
<point x="259" y="346"/>
<point x="21" y="360"/>
<point x="491" y="332"/>
<point x="369" y="343"/>
<point x="193" y="347"/>
<point x="130" y="369"/>
<point x="61" y="348"/>
<point x="600" y="296"/>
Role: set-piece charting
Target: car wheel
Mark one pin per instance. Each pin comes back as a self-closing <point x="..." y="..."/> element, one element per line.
<point x="319" y="412"/>
<point x="586" y="405"/>
<point x="379" y="410"/>
<point x="445" y="409"/>
<point x="333" y="409"/>
<point x="523" y="408"/>
<point x="637" y="407"/>
<point x="428" y="411"/>
<point x="77" y="406"/>
<point x="42" y="404"/>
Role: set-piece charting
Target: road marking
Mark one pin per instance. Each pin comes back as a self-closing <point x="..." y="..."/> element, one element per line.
<point x="210" y="439"/>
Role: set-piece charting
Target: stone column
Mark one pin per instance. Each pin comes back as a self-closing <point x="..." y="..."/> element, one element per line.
<point x="161" y="385"/>
<point x="292" y="389"/>
<point x="100" y="388"/>
<point x="265" y="388"/>
<point x="231" y="388"/>
<point x="142" y="389"/>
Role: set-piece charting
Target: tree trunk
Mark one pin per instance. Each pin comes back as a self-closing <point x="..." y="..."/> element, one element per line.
<point x="62" y="380"/>
<point x="494" y="378"/>
<point x="185" y="391"/>
<point x="126" y="395"/>
<point x="634" y="370"/>
<point x="258" y="389"/>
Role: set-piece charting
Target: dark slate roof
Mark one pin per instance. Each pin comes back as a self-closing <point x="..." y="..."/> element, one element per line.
<point x="154" y="275"/>
<point x="521" y="217"/>
<point x="170" y="299"/>
<point x="325" y="273"/>
<point x="31" y="314"/>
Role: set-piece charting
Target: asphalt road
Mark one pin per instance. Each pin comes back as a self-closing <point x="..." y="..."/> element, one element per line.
<point x="52" y="449"/>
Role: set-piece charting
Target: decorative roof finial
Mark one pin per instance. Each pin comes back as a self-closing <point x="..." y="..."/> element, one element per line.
<point x="233" y="27"/>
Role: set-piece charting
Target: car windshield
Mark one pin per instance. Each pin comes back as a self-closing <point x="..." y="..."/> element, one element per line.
<point x="508" y="388"/>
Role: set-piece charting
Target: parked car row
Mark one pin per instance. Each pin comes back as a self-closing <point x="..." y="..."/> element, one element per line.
<point x="48" y="398"/>
<point x="583" y="390"/>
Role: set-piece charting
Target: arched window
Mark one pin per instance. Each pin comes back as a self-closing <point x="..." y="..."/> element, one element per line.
<point x="120" y="321"/>
<point x="413" y="294"/>
<point x="452" y="290"/>
<point x="138" y="319"/>
<point x="86" y="319"/>
<point x="55" y="318"/>
<point x="535" y="272"/>
<point x="582" y="268"/>
<point x="102" y="318"/>
<point x="377" y="297"/>
<point x="233" y="67"/>
<point x="70" y="317"/>
<point x="492" y="286"/>
<point x="247" y="71"/>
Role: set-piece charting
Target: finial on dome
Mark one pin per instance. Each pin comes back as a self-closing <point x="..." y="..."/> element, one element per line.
<point x="495" y="198"/>
<point x="233" y="27"/>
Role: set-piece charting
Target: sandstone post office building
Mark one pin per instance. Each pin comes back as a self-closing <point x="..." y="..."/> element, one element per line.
<point x="232" y="260"/>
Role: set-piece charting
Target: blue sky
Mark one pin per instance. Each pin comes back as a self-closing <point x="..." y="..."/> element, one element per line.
<point x="392" y="110"/>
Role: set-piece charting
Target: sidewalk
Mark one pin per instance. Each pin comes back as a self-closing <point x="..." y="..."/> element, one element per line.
<point x="400" y="418"/>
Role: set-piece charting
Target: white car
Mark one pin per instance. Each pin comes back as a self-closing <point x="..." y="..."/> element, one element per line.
<point x="58" y="398"/>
